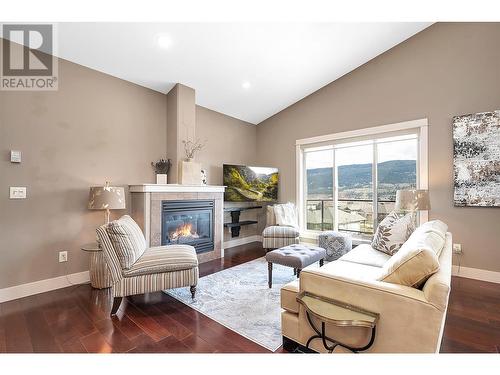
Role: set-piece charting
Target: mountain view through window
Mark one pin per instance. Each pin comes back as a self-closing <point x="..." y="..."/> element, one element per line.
<point x="340" y="182"/>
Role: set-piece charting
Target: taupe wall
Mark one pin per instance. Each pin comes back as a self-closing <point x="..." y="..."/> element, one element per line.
<point x="95" y="128"/>
<point x="446" y="70"/>
<point x="232" y="141"/>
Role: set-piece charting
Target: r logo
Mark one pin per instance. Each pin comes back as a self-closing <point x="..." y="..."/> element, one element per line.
<point x="29" y="52"/>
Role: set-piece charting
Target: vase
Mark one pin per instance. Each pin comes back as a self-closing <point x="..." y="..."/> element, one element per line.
<point x="189" y="172"/>
<point x="161" y="179"/>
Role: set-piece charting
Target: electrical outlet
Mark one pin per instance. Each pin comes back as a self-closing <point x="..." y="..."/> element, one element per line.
<point x="17" y="192"/>
<point x="457" y="248"/>
<point x="63" y="256"/>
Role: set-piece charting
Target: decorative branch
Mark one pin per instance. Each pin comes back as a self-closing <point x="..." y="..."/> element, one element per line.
<point x="192" y="147"/>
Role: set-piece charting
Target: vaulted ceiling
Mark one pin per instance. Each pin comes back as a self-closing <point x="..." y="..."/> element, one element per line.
<point x="246" y="70"/>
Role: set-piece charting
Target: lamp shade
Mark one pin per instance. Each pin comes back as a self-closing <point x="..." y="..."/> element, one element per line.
<point x="412" y="200"/>
<point x="106" y="198"/>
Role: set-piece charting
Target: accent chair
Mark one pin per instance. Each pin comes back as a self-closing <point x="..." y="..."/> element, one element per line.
<point x="275" y="236"/>
<point x="135" y="269"/>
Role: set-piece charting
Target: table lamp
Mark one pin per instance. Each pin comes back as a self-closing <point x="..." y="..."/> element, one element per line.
<point x="106" y="198"/>
<point x="412" y="201"/>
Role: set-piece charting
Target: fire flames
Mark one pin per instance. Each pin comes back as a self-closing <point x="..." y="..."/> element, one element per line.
<point x="185" y="230"/>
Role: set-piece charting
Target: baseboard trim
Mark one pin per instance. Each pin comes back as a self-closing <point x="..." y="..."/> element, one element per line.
<point x="242" y="241"/>
<point x="476" y="273"/>
<point x="41" y="286"/>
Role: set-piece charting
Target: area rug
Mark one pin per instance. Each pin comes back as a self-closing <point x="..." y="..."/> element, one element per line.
<point x="240" y="299"/>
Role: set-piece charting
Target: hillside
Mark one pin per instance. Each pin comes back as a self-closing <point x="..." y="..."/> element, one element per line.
<point x="356" y="176"/>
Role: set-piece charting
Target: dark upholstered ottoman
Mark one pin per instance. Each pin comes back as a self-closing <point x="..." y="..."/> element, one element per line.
<point x="296" y="256"/>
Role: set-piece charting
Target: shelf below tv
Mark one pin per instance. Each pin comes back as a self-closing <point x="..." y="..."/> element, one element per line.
<point x="235" y="223"/>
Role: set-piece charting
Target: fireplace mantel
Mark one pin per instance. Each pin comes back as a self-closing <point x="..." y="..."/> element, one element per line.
<point x="146" y="209"/>
<point x="176" y="188"/>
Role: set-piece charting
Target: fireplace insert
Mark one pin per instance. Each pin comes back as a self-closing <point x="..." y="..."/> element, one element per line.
<point x="188" y="222"/>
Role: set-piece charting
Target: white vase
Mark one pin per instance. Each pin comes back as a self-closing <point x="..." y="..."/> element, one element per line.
<point x="189" y="173"/>
<point x="161" y="179"/>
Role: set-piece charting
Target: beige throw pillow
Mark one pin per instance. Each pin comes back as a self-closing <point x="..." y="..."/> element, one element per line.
<point x="411" y="265"/>
<point x="127" y="239"/>
<point x="392" y="232"/>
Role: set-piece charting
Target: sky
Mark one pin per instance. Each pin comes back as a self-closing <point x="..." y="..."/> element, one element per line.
<point x="363" y="154"/>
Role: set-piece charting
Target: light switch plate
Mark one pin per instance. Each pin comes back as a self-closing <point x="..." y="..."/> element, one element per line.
<point x="17" y="192"/>
<point x="15" y="156"/>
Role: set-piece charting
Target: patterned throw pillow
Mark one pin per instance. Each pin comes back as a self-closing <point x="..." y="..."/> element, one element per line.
<point x="127" y="239"/>
<point x="392" y="233"/>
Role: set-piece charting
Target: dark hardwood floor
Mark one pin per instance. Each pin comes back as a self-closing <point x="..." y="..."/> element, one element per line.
<point x="76" y="320"/>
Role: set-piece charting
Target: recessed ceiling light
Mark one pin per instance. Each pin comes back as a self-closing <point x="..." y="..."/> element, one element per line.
<point x="246" y="85"/>
<point x="164" y="41"/>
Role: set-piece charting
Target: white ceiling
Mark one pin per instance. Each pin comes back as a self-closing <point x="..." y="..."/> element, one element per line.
<point x="283" y="62"/>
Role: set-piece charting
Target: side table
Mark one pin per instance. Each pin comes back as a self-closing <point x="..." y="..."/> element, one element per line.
<point x="334" y="312"/>
<point x="98" y="269"/>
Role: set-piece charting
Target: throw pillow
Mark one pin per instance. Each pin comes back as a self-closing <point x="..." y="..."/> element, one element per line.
<point x="411" y="266"/>
<point x="127" y="239"/>
<point x="392" y="233"/>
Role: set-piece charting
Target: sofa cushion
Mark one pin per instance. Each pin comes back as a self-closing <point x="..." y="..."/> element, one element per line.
<point x="277" y="231"/>
<point x="127" y="239"/>
<point x="434" y="226"/>
<point x="162" y="259"/>
<point x="425" y="237"/>
<point x="289" y="297"/>
<point x="414" y="263"/>
<point x="365" y="254"/>
<point x="347" y="270"/>
<point x="392" y="233"/>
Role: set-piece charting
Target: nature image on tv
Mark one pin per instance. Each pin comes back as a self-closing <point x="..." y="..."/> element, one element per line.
<point x="250" y="184"/>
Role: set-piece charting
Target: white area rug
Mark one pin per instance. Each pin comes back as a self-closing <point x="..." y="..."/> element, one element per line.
<point x="240" y="299"/>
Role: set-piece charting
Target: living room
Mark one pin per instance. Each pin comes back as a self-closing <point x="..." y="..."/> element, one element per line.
<point x="238" y="187"/>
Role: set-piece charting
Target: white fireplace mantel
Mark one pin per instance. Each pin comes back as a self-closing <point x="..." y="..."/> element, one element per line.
<point x="175" y="188"/>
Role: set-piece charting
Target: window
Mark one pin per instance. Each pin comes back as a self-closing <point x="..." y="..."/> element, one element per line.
<point x="349" y="184"/>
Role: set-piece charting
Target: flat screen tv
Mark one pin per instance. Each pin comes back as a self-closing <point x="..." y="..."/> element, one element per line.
<point x="250" y="184"/>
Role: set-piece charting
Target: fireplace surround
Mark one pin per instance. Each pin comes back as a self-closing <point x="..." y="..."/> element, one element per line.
<point x="147" y="208"/>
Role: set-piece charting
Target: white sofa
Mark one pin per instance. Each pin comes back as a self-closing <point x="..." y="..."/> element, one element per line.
<point x="411" y="318"/>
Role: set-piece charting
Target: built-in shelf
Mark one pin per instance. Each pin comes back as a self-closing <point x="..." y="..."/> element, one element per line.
<point x="240" y="224"/>
<point x="235" y="223"/>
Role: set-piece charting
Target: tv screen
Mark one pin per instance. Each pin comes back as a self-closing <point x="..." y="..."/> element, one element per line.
<point x="250" y="184"/>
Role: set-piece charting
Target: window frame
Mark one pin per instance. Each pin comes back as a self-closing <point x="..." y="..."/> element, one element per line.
<point x="418" y="127"/>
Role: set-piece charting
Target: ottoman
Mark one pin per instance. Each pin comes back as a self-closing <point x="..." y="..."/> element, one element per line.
<point x="296" y="256"/>
<point x="335" y="243"/>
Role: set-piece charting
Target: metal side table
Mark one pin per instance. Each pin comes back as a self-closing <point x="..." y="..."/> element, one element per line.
<point x="334" y="312"/>
<point x="100" y="277"/>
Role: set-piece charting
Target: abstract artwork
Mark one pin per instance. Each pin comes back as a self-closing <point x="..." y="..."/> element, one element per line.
<point x="476" y="152"/>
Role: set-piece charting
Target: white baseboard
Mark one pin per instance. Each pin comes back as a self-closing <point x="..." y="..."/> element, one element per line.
<point x="24" y="290"/>
<point x="242" y="241"/>
<point x="476" y="273"/>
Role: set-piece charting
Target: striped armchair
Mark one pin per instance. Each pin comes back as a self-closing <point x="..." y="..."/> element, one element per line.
<point x="275" y="236"/>
<point x="151" y="270"/>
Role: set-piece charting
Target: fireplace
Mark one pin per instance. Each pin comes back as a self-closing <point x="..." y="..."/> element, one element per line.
<point x="188" y="222"/>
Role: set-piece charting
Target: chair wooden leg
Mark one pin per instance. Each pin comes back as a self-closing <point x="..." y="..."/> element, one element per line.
<point x="321" y="262"/>
<point x="270" y="274"/>
<point x="298" y="272"/>
<point x="193" y="290"/>
<point x="117" y="301"/>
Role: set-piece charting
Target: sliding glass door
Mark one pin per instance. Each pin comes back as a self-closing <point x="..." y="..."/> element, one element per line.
<point x="351" y="186"/>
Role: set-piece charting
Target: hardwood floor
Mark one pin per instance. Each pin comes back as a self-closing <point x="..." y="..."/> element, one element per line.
<point x="76" y="320"/>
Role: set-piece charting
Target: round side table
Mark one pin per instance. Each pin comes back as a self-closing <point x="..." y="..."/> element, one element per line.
<point x="100" y="277"/>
